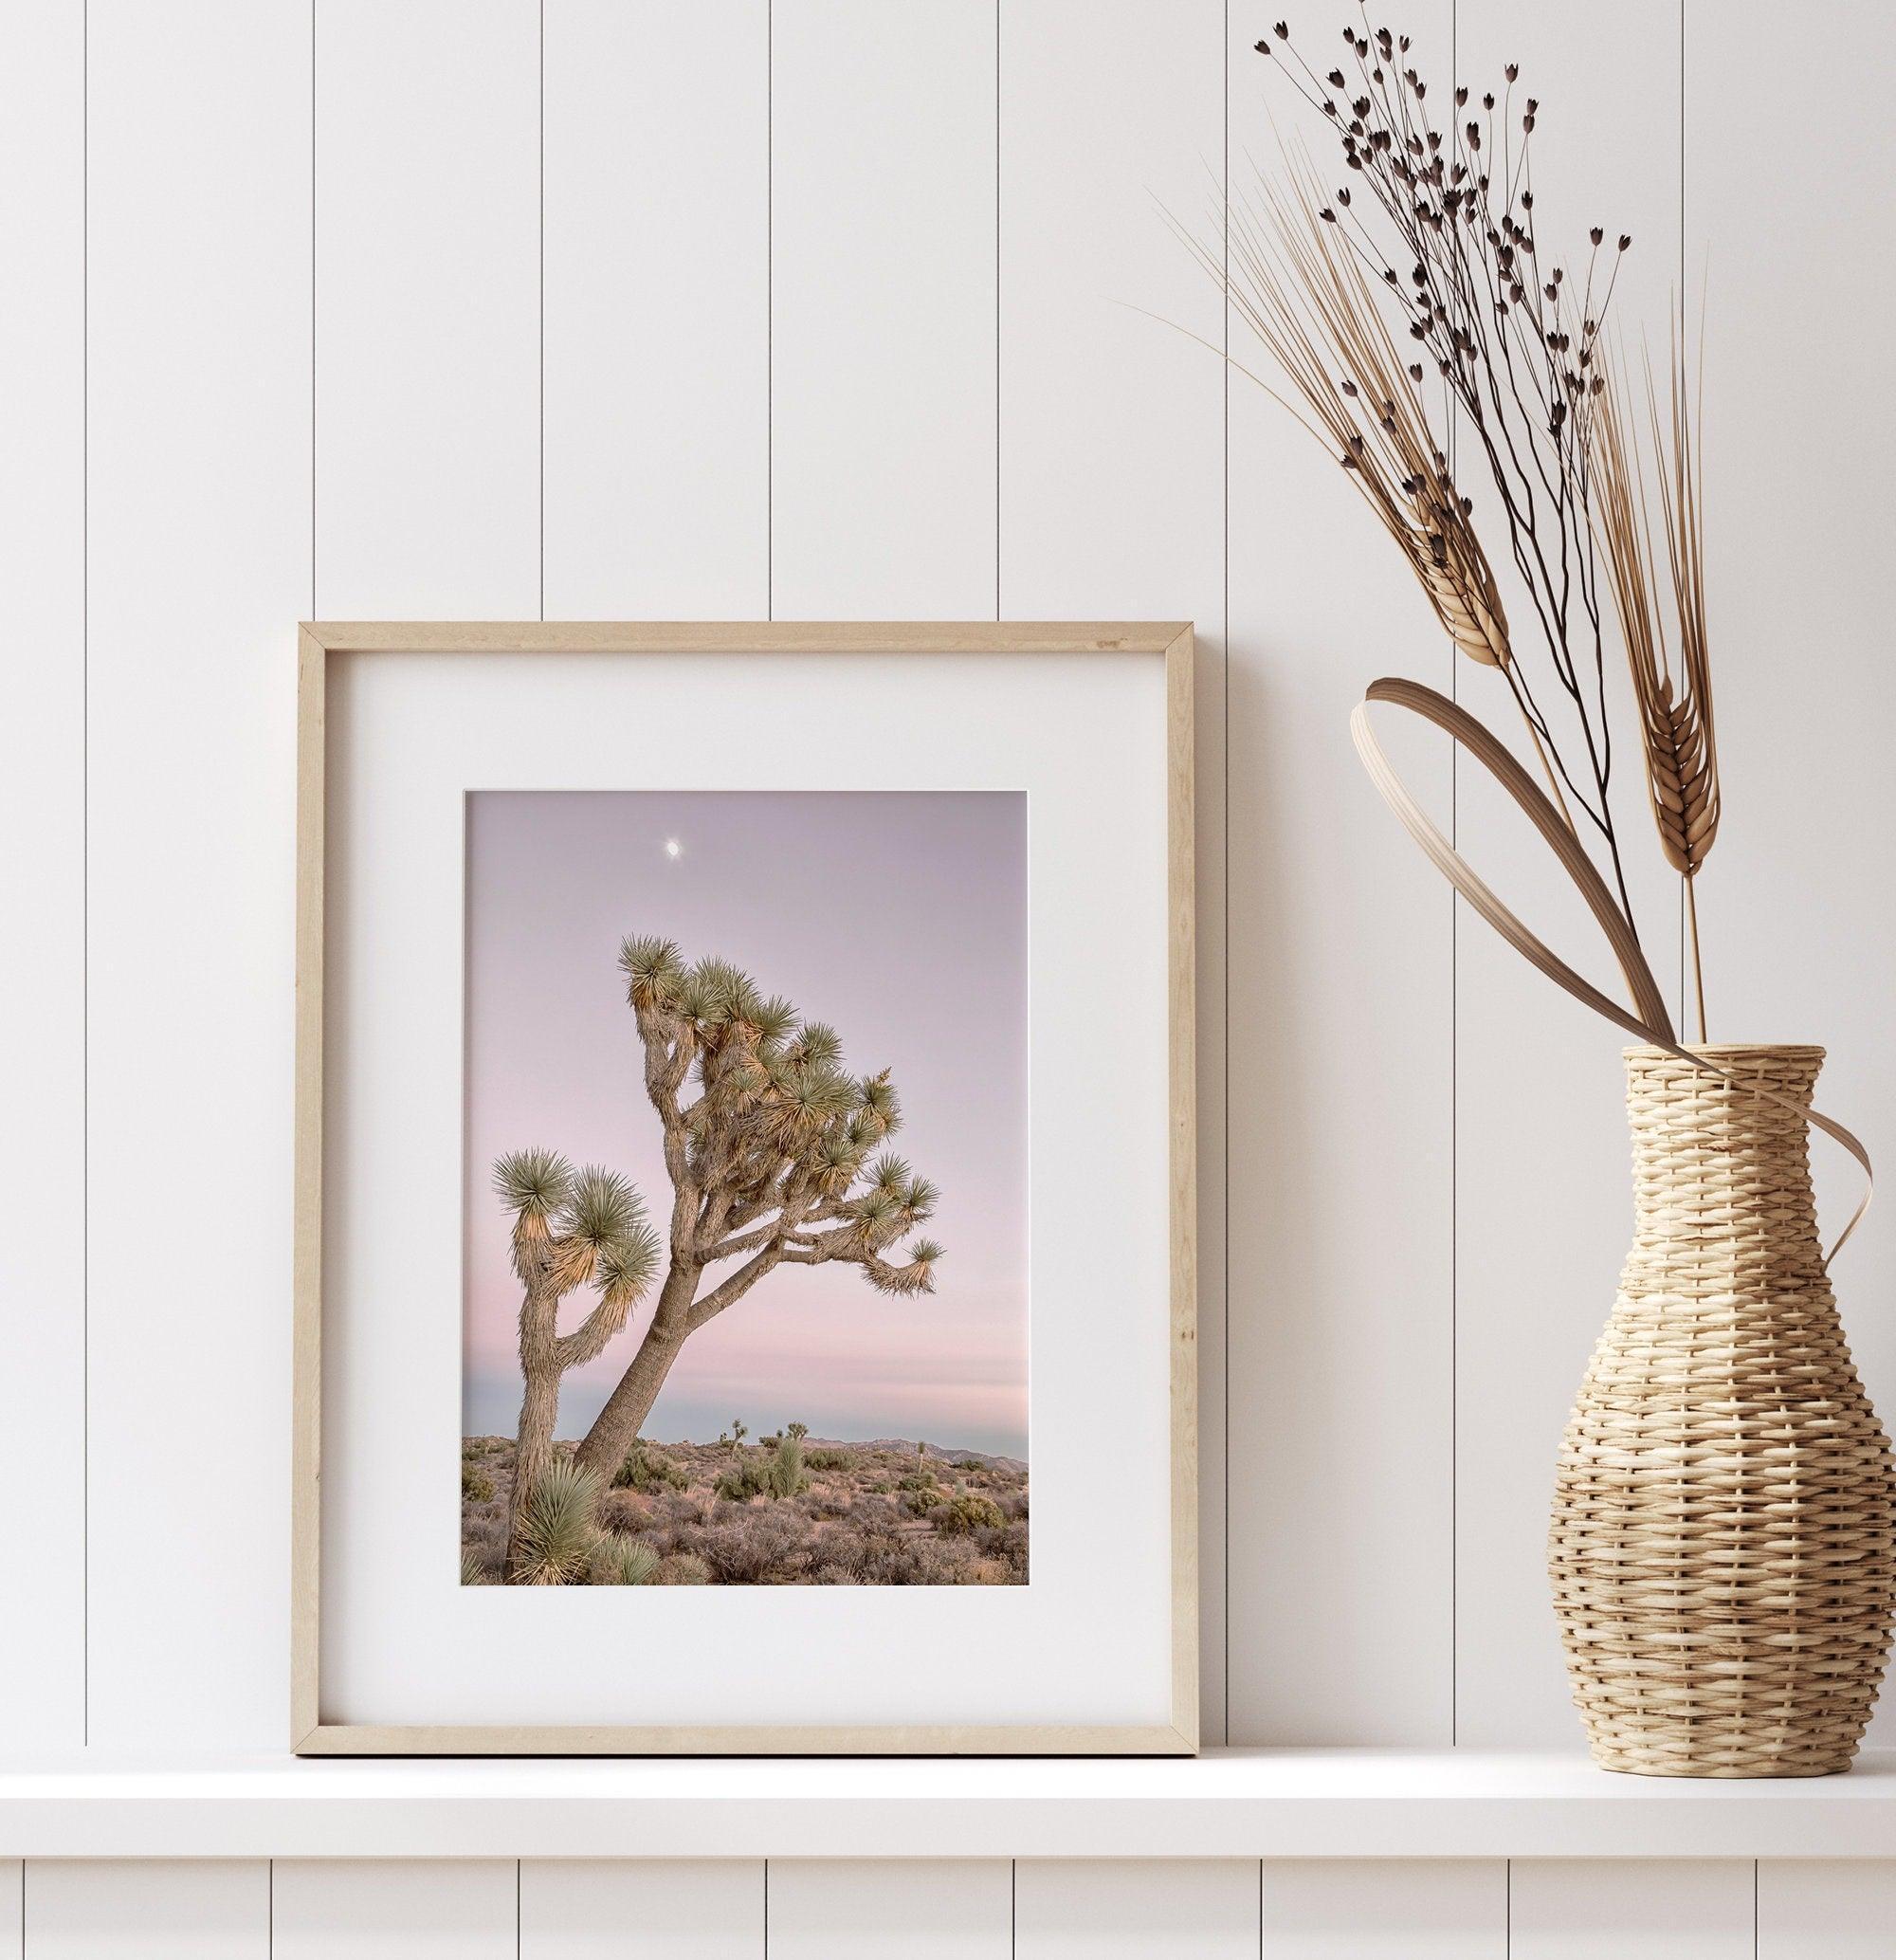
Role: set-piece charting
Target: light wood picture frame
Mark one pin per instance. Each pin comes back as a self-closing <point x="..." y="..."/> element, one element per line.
<point x="322" y="647"/>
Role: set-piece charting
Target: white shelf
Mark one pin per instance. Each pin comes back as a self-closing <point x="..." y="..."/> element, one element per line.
<point x="1230" y="1804"/>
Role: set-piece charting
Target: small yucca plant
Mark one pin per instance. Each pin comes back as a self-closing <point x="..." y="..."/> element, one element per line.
<point x="621" y="1561"/>
<point x="555" y="1535"/>
<point x="783" y="1477"/>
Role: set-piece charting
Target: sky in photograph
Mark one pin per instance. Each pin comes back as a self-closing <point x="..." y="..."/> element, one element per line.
<point x="901" y="920"/>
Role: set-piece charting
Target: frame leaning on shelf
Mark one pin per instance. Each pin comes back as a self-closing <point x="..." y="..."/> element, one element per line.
<point x="323" y="647"/>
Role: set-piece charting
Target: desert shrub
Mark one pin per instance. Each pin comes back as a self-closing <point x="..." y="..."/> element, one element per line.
<point x="621" y="1561"/>
<point x="556" y="1532"/>
<point x="918" y="1480"/>
<point x="919" y="1501"/>
<point x="876" y="1554"/>
<point x="646" y="1470"/>
<point x="486" y="1536"/>
<point x="971" y="1463"/>
<point x="783" y="1473"/>
<point x="752" y="1546"/>
<point x="825" y="1459"/>
<point x="623" y="1510"/>
<point x="944" y="1562"/>
<point x="880" y="1486"/>
<point x="473" y="1567"/>
<point x="968" y="1512"/>
<point x="477" y="1487"/>
<point x="835" y="1575"/>
<point x="1011" y="1504"/>
<point x="682" y="1568"/>
<point x="826" y="1504"/>
<point x="741" y="1482"/>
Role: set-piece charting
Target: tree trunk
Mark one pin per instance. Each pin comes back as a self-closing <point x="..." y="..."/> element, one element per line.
<point x="540" y="1411"/>
<point x="611" y="1436"/>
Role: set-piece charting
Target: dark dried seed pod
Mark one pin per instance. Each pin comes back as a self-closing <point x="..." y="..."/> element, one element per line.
<point x="1512" y="71"/>
<point x="1282" y="30"/>
<point x="1625" y="239"/>
<point x="1596" y="234"/>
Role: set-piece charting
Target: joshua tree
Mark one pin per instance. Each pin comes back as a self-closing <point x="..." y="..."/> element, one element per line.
<point x="570" y="1229"/>
<point x="769" y="1165"/>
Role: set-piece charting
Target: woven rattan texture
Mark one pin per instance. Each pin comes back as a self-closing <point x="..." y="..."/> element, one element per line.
<point x="1723" y="1535"/>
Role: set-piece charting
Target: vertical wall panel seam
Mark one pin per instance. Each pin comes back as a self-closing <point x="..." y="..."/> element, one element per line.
<point x="1224" y="895"/>
<point x="313" y="614"/>
<point x="1683" y="952"/>
<point x="542" y="333"/>
<point x="769" y="405"/>
<point x="1455" y="1122"/>
<point x="85" y="892"/>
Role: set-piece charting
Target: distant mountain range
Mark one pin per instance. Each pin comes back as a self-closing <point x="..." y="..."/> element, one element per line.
<point x="905" y="1446"/>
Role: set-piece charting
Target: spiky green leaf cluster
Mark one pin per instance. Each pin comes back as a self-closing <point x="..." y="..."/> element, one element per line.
<point x="629" y="1264"/>
<point x="534" y="1184"/>
<point x="555" y="1529"/>
<point x="654" y="971"/>
<point x="602" y="1210"/>
<point x="917" y="1276"/>
<point x="621" y="1561"/>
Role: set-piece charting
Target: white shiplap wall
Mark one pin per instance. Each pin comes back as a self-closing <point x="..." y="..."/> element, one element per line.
<point x="723" y="308"/>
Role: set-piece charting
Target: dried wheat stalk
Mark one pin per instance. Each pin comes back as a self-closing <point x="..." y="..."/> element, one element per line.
<point x="1674" y="696"/>
<point x="1300" y="289"/>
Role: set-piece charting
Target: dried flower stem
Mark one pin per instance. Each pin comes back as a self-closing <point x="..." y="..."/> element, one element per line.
<point x="1513" y="346"/>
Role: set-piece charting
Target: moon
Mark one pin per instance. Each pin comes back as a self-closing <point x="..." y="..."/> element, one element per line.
<point x="673" y="849"/>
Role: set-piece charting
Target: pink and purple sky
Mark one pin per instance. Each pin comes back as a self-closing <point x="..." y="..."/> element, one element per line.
<point x="898" y="917"/>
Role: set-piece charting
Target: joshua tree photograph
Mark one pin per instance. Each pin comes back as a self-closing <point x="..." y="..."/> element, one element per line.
<point x="745" y="1237"/>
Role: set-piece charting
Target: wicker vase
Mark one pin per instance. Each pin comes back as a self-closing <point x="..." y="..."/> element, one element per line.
<point x="1724" y="1539"/>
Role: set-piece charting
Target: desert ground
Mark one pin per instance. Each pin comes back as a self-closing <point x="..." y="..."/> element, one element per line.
<point x="802" y="1512"/>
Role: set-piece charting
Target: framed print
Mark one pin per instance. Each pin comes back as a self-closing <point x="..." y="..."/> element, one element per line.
<point x="744" y="1292"/>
